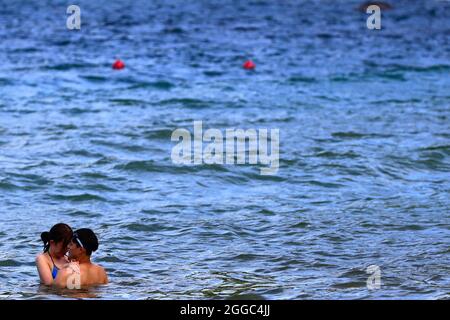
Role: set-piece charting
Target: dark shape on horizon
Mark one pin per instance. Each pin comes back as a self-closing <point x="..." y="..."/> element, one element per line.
<point x="383" y="5"/>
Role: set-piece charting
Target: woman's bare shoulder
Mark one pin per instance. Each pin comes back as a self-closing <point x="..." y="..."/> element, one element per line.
<point x="41" y="257"/>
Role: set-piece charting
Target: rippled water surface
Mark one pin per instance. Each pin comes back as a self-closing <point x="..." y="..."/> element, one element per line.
<point x="365" y="147"/>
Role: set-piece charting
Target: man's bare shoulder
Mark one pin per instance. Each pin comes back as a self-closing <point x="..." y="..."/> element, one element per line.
<point x="101" y="273"/>
<point x="99" y="269"/>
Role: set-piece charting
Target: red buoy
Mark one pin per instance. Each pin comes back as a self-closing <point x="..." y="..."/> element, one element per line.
<point x="249" y="65"/>
<point x="118" y="65"/>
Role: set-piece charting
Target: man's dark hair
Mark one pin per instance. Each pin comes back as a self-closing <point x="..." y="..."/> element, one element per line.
<point x="87" y="238"/>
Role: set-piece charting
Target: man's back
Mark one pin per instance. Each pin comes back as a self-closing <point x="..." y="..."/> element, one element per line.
<point x="84" y="274"/>
<point x="92" y="274"/>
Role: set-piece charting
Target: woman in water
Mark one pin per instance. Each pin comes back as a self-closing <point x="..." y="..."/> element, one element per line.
<point x="55" y="247"/>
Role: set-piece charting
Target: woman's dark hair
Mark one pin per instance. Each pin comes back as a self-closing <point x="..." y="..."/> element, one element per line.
<point x="60" y="232"/>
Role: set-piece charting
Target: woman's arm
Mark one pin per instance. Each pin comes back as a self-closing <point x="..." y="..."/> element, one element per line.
<point x="69" y="277"/>
<point x="44" y="271"/>
<point x="61" y="278"/>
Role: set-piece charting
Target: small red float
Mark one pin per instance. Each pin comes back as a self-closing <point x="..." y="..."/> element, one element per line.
<point x="249" y="65"/>
<point x="118" y="65"/>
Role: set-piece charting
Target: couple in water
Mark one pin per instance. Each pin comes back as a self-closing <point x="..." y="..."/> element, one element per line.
<point x="74" y="269"/>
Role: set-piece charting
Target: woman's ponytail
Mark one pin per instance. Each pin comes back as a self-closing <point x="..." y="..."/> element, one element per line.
<point x="45" y="237"/>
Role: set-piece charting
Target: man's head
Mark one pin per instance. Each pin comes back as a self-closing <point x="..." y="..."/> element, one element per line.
<point x="83" y="243"/>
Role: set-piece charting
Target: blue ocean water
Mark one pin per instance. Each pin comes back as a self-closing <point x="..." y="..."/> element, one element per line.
<point x="364" y="147"/>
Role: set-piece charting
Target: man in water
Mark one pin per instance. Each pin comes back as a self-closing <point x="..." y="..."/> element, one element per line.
<point x="81" y="271"/>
